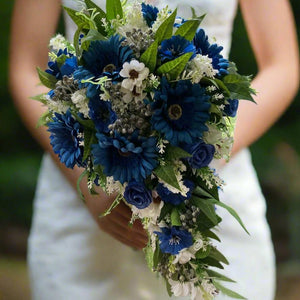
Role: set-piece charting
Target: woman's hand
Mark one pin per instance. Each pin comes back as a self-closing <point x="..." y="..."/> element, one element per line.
<point x="116" y="224"/>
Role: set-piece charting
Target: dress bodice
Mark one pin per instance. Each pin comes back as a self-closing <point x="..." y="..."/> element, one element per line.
<point x="217" y="23"/>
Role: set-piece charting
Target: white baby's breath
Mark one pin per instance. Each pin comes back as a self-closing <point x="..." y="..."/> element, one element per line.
<point x="81" y="102"/>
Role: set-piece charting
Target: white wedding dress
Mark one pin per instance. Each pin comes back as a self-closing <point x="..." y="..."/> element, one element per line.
<point x="70" y="258"/>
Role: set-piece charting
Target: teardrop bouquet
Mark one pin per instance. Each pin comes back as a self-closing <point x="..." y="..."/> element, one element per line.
<point x="143" y="102"/>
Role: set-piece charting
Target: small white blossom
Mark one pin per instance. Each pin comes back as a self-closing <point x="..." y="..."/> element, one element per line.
<point x="162" y="15"/>
<point x="180" y="289"/>
<point x="134" y="74"/>
<point x="152" y="211"/>
<point x="201" y="66"/>
<point x="197" y="294"/>
<point x="209" y="288"/>
<point x="136" y="94"/>
<point x="60" y="107"/>
<point x="112" y="186"/>
<point x="184" y="256"/>
<point x="81" y="102"/>
<point x="58" y="42"/>
<point x="161" y="145"/>
<point x="211" y="88"/>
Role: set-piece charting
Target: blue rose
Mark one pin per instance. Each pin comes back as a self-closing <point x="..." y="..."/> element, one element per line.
<point x="202" y="154"/>
<point x="138" y="195"/>
<point x="167" y="196"/>
<point x="231" y="108"/>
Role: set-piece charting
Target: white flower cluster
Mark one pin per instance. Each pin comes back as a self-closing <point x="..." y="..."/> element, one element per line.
<point x="134" y="83"/>
<point x="206" y="290"/>
<point x="58" y="42"/>
<point x="81" y="102"/>
<point x="200" y="67"/>
<point x="223" y="142"/>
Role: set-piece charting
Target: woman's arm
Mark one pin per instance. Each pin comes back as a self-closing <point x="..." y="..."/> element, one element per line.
<point x="33" y="23"/>
<point x="271" y="29"/>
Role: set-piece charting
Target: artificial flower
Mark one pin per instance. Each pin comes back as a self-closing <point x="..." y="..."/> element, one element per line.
<point x="180" y="112"/>
<point x="66" y="135"/>
<point x="138" y="195"/>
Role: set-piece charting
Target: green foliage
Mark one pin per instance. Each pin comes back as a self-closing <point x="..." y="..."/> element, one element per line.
<point x="44" y="119"/>
<point x="114" y="9"/>
<point x="175" y="217"/>
<point x="149" y="57"/>
<point x="174" y="67"/>
<point x="167" y="174"/>
<point x="98" y="18"/>
<point x="89" y="139"/>
<point x="165" y="30"/>
<point x="239" y="87"/>
<point x="188" y="29"/>
<point x="227" y="291"/>
<point x="174" y="153"/>
<point x="46" y="79"/>
<point x="215" y="275"/>
<point x="80" y="178"/>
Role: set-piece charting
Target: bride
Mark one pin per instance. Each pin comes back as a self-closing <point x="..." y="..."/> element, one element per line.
<point x="70" y="257"/>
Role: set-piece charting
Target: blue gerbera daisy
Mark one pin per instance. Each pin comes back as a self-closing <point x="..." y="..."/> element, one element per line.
<point x="101" y="113"/>
<point x="65" y="137"/>
<point x="124" y="158"/>
<point x="103" y="58"/>
<point x="203" y="47"/>
<point x="180" y="112"/>
<point x="167" y="196"/>
<point x="175" y="47"/>
<point x="149" y="13"/>
<point x="172" y="240"/>
<point x="65" y="64"/>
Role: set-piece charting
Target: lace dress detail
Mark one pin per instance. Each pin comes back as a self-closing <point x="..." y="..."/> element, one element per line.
<point x="70" y="258"/>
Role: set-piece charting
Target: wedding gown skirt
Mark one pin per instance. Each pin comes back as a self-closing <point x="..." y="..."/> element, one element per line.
<point x="71" y="259"/>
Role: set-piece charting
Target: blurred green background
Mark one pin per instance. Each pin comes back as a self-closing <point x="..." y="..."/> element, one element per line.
<point x="276" y="158"/>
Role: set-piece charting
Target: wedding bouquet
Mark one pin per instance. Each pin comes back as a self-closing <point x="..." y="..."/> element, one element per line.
<point x="143" y="101"/>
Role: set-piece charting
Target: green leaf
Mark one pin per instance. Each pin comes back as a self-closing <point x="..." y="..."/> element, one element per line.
<point x="165" y="30"/>
<point x="157" y="255"/>
<point x="44" y="119"/>
<point x="227" y="291"/>
<point x="175" y="67"/>
<point x="188" y="29"/>
<point x="40" y="98"/>
<point x="78" y="19"/>
<point x="174" y="153"/>
<point x="166" y="173"/>
<point x="46" y="79"/>
<point x="98" y="19"/>
<point x="231" y="211"/>
<point x="76" y="41"/>
<point x="217" y="255"/>
<point x="149" y="255"/>
<point x="202" y="254"/>
<point x="206" y="207"/>
<point x="194" y="15"/>
<point x="84" y="173"/>
<point x="200" y="192"/>
<point x="169" y="289"/>
<point x="212" y="262"/>
<point x="212" y="235"/>
<point x="216" y="275"/>
<point x="86" y="123"/>
<point x="239" y="87"/>
<point x="175" y="217"/>
<point x="149" y="57"/>
<point x="166" y="209"/>
<point x="89" y="139"/>
<point x="113" y="9"/>
<point x="93" y="35"/>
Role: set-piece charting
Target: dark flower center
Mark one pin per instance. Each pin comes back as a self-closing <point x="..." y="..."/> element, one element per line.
<point x="109" y="68"/>
<point x="174" y="240"/>
<point x="134" y="92"/>
<point x="175" y="112"/>
<point x="133" y="74"/>
<point x="124" y="154"/>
